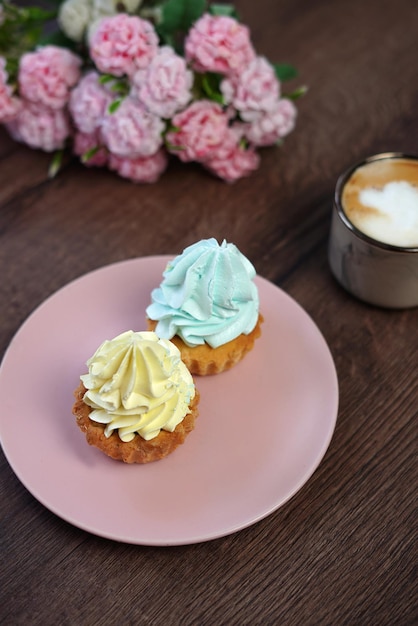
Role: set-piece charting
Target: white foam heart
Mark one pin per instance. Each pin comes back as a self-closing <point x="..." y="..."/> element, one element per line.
<point x="396" y="218"/>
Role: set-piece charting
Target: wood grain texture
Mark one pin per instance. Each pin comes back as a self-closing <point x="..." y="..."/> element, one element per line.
<point x="343" y="549"/>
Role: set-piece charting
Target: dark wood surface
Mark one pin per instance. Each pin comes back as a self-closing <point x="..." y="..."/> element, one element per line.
<point x="343" y="549"/>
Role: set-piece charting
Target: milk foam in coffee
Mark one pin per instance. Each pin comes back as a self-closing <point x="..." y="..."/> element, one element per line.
<point x="381" y="199"/>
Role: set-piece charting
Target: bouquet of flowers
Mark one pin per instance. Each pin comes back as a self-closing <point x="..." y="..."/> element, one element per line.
<point x="124" y="85"/>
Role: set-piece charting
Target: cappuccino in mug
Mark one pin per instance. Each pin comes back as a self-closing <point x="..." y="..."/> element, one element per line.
<point x="373" y="243"/>
<point x="380" y="199"/>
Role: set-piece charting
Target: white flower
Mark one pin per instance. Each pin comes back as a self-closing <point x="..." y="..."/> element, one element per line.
<point x="131" y="5"/>
<point x="74" y="17"/>
<point x="105" y="8"/>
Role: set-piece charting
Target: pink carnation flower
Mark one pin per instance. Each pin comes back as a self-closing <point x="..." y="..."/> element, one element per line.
<point x="165" y="86"/>
<point x="84" y="143"/>
<point x="199" y="132"/>
<point x="40" y="127"/>
<point x="88" y="103"/>
<point x="131" y="131"/>
<point x="255" y="89"/>
<point x="218" y="44"/>
<point x="122" y="44"/>
<point x="47" y="75"/>
<point x="273" y="125"/>
<point x="233" y="161"/>
<point x="9" y="105"/>
<point x="142" y="169"/>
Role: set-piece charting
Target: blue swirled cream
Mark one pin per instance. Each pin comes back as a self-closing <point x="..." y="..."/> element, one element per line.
<point x="137" y="383"/>
<point x="207" y="295"/>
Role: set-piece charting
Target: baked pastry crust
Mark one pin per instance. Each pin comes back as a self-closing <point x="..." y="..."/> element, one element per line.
<point x="204" y="360"/>
<point x="138" y="450"/>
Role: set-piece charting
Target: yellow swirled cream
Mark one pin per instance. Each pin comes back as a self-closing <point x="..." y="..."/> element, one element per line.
<point x="137" y="383"/>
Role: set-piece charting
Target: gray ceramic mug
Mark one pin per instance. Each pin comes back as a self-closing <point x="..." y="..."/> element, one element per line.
<point x="375" y="272"/>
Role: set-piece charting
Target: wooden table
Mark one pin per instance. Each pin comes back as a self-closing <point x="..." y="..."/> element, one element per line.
<point x="343" y="549"/>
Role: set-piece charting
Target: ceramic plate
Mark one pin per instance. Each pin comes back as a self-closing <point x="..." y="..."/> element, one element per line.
<point x="262" y="430"/>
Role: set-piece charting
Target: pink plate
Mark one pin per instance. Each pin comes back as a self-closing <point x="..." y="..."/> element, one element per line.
<point x="263" y="426"/>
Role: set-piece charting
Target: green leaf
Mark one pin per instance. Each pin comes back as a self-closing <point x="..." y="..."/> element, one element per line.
<point x="58" y="38"/>
<point x="121" y="87"/>
<point x="38" y="15"/>
<point x="12" y="68"/>
<point x="179" y="15"/>
<point x="22" y="28"/>
<point x="210" y="85"/>
<point x="55" y="164"/>
<point x="172" y="129"/>
<point x="106" y="78"/>
<point x="297" y="93"/>
<point x="227" y="10"/>
<point x="89" y="154"/>
<point x="284" y="71"/>
<point x="113" y="106"/>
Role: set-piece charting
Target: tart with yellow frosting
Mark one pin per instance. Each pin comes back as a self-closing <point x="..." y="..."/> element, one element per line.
<point x="138" y="401"/>
<point x="207" y="304"/>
